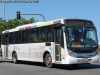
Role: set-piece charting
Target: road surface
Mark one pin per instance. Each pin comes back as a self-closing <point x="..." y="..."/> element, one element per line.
<point x="30" y="68"/>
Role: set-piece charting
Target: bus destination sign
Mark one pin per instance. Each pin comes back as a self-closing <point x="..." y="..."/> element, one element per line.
<point x="78" y="22"/>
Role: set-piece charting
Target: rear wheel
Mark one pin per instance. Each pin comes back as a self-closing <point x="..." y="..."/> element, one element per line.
<point x="1" y="53"/>
<point x="14" y="57"/>
<point x="48" y="61"/>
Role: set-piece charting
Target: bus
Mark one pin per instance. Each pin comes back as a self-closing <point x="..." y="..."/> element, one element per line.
<point x="99" y="45"/>
<point x="60" y="41"/>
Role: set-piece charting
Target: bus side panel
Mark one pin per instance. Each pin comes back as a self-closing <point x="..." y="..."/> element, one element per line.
<point x="18" y="50"/>
<point x="62" y="55"/>
<point x="53" y="52"/>
<point x="10" y="50"/>
<point x="50" y="49"/>
<point x="24" y="51"/>
<point x="2" y="47"/>
<point x="36" y="51"/>
<point x="15" y="48"/>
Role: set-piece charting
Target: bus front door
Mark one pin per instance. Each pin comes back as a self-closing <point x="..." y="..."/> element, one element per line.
<point x="6" y="47"/>
<point x="57" y="32"/>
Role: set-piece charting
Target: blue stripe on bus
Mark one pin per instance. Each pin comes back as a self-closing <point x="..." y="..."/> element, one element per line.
<point x="33" y="26"/>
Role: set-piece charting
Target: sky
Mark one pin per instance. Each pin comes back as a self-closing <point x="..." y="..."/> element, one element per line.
<point x="56" y="9"/>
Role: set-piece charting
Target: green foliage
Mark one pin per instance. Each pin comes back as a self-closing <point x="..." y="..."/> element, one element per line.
<point x="12" y="23"/>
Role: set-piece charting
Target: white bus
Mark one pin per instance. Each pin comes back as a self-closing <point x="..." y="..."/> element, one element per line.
<point x="61" y="41"/>
<point x="99" y="45"/>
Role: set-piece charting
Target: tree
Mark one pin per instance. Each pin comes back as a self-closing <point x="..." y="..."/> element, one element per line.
<point x="12" y="23"/>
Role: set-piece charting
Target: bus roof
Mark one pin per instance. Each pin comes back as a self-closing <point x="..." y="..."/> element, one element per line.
<point x="37" y="24"/>
<point x="33" y="25"/>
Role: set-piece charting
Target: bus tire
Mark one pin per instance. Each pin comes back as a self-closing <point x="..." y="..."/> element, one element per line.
<point x="1" y="53"/>
<point x="15" y="61"/>
<point x="48" y="61"/>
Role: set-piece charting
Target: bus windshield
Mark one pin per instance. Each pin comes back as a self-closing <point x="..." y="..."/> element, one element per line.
<point x="81" y="37"/>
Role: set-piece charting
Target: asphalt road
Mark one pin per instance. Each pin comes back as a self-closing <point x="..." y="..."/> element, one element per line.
<point x="30" y="68"/>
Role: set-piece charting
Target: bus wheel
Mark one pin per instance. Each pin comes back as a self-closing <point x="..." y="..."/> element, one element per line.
<point x="75" y="65"/>
<point x="48" y="61"/>
<point x="14" y="58"/>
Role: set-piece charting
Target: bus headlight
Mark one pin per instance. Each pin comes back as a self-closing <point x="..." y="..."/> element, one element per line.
<point x="70" y="53"/>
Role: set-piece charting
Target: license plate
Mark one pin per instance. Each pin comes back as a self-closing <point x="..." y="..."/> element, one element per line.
<point x="85" y="59"/>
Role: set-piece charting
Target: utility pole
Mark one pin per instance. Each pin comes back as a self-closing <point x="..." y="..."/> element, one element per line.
<point x="4" y="11"/>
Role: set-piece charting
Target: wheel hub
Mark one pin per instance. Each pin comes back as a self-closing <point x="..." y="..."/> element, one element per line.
<point x="48" y="60"/>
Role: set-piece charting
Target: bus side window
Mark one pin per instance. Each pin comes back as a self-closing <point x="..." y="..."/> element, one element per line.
<point x="17" y="37"/>
<point x="11" y="38"/>
<point x="2" y="39"/>
<point x="48" y="34"/>
<point x="59" y="37"/>
<point x="42" y="35"/>
<point x="34" y="35"/>
<point x="25" y="36"/>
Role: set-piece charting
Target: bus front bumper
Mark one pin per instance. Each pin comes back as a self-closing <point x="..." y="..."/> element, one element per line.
<point x="72" y="60"/>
